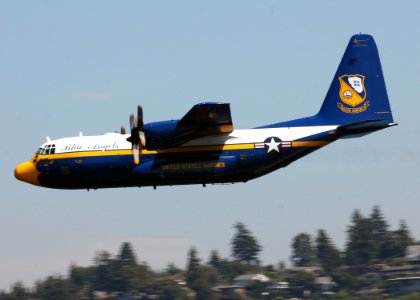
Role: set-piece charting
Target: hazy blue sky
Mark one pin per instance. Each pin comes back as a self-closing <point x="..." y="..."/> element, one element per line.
<point x="70" y="66"/>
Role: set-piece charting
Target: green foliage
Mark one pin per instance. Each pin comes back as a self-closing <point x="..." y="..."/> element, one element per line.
<point x="360" y="246"/>
<point x="245" y="246"/>
<point x="303" y="252"/>
<point x="200" y="278"/>
<point x="55" y="287"/>
<point x="214" y="260"/>
<point x="328" y="256"/>
<point x="346" y="280"/>
<point x="300" y="281"/>
<point x="171" y="269"/>
<point x="344" y="295"/>
<point x="80" y="276"/>
<point x="231" y="269"/>
<point x="201" y="281"/>
<point x="257" y="289"/>
<point x="413" y="296"/>
<point x="193" y="260"/>
<point x="369" y="239"/>
<point x="127" y="257"/>
<point x="168" y="290"/>
<point x="379" y="232"/>
<point x="120" y="274"/>
<point x="18" y="291"/>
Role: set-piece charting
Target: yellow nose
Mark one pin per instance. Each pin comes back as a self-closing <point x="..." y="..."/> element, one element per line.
<point x="27" y="172"/>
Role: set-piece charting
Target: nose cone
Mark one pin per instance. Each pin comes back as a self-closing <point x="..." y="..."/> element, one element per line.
<point x="27" y="172"/>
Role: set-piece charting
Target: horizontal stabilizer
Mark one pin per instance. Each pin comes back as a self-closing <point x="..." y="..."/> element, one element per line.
<point x="362" y="128"/>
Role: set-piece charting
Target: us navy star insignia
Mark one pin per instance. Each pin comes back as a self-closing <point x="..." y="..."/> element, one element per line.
<point x="272" y="144"/>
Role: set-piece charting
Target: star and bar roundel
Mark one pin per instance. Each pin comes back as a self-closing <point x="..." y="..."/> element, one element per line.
<point x="273" y="145"/>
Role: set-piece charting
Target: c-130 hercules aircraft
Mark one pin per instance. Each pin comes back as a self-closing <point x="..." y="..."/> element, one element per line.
<point x="203" y="148"/>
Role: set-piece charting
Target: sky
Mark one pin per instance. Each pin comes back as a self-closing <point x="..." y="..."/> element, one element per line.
<point x="71" y="66"/>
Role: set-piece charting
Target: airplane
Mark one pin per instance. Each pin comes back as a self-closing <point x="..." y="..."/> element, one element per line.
<point x="203" y="147"/>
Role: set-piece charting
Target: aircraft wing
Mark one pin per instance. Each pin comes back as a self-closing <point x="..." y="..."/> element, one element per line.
<point x="208" y="118"/>
<point x="203" y="119"/>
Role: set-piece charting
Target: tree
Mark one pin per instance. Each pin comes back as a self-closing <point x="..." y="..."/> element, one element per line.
<point x="379" y="233"/>
<point x="104" y="271"/>
<point x="301" y="281"/>
<point x="245" y="247"/>
<point x="214" y="259"/>
<point x="128" y="275"/>
<point x="120" y="274"/>
<point x="127" y="257"/>
<point x="168" y="290"/>
<point x="80" y="276"/>
<point x="204" y="278"/>
<point x="303" y="253"/>
<point x="192" y="265"/>
<point x="55" y="287"/>
<point x="200" y="278"/>
<point x="328" y="256"/>
<point x="18" y="292"/>
<point x="360" y="245"/>
<point x="404" y="238"/>
<point x="397" y="242"/>
<point x="172" y="269"/>
<point x="193" y="260"/>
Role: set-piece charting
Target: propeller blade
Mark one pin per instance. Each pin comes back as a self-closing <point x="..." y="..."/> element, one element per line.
<point x="132" y="122"/>
<point x="136" y="154"/>
<point x="142" y="139"/>
<point x="140" y="117"/>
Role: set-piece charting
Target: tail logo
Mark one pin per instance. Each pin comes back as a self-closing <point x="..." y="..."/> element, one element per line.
<point x="352" y="94"/>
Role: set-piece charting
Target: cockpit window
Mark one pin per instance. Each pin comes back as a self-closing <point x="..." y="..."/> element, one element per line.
<point x="49" y="149"/>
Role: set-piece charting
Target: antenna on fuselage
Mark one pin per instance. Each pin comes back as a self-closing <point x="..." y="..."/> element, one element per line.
<point x="80" y="133"/>
<point x="48" y="139"/>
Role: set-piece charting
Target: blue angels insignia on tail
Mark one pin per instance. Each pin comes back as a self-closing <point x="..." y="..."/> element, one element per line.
<point x="352" y="94"/>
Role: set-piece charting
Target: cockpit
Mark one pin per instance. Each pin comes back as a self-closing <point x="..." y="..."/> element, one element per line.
<point x="46" y="150"/>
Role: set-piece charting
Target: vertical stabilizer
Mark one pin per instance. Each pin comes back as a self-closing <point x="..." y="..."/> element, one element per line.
<point x="357" y="92"/>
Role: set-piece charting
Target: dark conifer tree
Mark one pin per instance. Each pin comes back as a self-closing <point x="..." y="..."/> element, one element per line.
<point x="214" y="259"/>
<point x="303" y="251"/>
<point x="245" y="246"/>
<point x="328" y="256"/>
<point x="360" y="245"/>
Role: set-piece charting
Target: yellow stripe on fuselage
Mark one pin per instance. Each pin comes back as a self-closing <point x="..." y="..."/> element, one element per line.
<point x="172" y="150"/>
<point x="130" y="152"/>
<point x="310" y="144"/>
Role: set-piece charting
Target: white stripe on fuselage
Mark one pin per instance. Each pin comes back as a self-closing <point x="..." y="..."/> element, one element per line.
<point x="251" y="136"/>
<point x="116" y="141"/>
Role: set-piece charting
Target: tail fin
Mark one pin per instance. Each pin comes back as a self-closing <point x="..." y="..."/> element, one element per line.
<point x="357" y="93"/>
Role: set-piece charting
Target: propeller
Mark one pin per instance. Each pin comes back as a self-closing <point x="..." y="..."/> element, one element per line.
<point x="137" y="137"/>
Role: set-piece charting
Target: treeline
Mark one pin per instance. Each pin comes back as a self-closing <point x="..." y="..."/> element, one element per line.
<point x="369" y="241"/>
